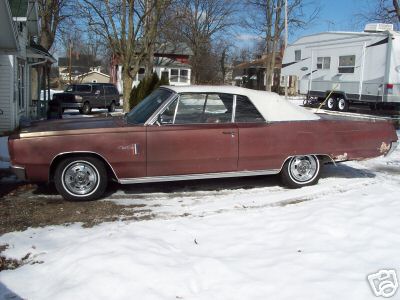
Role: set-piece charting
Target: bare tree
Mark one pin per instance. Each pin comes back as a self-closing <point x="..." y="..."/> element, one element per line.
<point x="53" y="14"/>
<point x="197" y="23"/>
<point x="122" y="24"/>
<point x="387" y="11"/>
<point x="266" y="18"/>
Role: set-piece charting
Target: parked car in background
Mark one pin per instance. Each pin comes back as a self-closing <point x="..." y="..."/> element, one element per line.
<point x="87" y="96"/>
<point x="193" y="132"/>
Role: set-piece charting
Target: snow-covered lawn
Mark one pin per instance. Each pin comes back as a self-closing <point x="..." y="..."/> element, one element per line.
<point x="263" y="242"/>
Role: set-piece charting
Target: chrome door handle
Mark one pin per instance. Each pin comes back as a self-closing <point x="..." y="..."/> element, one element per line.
<point x="228" y="132"/>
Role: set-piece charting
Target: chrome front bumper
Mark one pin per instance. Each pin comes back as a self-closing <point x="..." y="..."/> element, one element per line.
<point x="72" y="105"/>
<point x="19" y="172"/>
<point x="393" y="146"/>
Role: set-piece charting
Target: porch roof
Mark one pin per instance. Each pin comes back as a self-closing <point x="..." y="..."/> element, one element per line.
<point x="38" y="52"/>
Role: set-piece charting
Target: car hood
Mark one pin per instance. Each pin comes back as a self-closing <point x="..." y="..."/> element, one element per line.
<point x="73" y="126"/>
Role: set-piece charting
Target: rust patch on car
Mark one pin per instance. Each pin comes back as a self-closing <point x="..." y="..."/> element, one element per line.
<point x="341" y="157"/>
<point x="384" y="148"/>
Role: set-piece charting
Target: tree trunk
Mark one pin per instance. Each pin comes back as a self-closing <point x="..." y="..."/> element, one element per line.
<point x="127" y="88"/>
<point x="397" y="8"/>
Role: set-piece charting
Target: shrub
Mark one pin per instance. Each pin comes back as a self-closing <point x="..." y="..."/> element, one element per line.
<point x="145" y="87"/>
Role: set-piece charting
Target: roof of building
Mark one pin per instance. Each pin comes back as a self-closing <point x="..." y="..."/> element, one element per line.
<point x="171" y="63"/>
<point x="37" y="51"/>
<point x="174" y="48"/>
<point x="94" y="72"/>
<point x="79" y="60"/>
<point x="272" y="106"/>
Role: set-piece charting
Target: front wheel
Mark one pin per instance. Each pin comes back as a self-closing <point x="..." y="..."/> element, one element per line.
<point x="301" y="171"/>
<point x="81" y="178"/>
<point x="331" y="104"/>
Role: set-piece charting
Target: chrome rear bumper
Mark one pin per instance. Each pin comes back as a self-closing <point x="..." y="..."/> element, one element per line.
<point x="19" y="172"/>
<point x="393" y="146"/>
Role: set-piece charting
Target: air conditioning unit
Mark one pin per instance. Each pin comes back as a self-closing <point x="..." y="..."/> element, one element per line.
<point x="378" y="27"/>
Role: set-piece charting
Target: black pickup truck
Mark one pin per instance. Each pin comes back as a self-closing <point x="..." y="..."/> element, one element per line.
<point x="87" y="96"/>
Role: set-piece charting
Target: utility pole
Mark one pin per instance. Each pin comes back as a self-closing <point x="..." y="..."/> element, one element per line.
<point x="70" y="60"/>
<point x="286" y="43"/>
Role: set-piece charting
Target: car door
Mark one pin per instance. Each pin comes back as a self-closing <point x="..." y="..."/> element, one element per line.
<point x="259" y="142"/>
<point x="195" y="135"/>
<point x="99" y="96"/>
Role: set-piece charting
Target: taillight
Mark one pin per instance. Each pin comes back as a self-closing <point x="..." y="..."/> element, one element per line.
<point x="389" y="88"/>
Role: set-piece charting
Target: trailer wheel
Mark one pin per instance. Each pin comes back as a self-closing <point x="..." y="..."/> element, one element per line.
<point x="331" y="103"/>
<point x="342" y="104"/>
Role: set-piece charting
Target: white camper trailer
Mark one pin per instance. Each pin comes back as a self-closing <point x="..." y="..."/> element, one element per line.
<point x="351" y="67"/>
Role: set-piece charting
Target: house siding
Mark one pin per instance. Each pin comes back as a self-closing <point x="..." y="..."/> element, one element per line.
<point x="7" y="118"/>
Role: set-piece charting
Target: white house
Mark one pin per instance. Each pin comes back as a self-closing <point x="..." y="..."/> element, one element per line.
<point x="170" y="60"/>
<point x="24" y="65"/>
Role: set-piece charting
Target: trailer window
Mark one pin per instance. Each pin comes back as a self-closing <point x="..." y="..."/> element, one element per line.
<point x="347" y="63"/>
<point x="323" y="63"/>
<point x="297" y="55"/>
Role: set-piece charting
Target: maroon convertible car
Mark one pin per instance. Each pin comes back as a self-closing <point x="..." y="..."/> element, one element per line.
<point x="194" y="132"/>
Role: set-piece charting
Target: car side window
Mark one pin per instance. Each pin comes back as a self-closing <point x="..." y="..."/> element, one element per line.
<point x="218" y="108"/>
<point x="246" y="112"/>
<point x="199" y="108"/>
<point x="190" y="109"/>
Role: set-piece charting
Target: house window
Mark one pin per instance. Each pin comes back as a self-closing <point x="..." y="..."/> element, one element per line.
<point x="297" y="55"/>
<point x="179" y="75"/>
<point x="184" y="76"/>
<point x="21" y="84"/>
<point x="347" y="63"/>
<point x="174" y="75"/>
<point x="323" y="63"/>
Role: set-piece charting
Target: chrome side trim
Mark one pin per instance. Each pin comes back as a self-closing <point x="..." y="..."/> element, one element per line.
<point x="197" y="176"/>
<point x="82" y="152"/>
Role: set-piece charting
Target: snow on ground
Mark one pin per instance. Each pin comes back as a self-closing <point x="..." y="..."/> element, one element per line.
<point x="263" y="242"/>
<point x="74" y="113"/>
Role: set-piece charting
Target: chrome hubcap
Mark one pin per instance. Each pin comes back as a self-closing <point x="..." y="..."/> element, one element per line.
<point x="80" y="178"/>
<point x="303" y="168"/>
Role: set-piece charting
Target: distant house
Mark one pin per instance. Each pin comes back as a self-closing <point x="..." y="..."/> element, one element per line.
<point x="24" y="65"/>
<point x="93" y="77"/>
<point x="251" y="74"/>
<point x="79" y="64"/>
<point x="170" y="60"/>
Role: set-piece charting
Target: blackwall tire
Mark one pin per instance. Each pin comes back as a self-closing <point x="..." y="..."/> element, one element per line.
<point x="81" y="178"/>
<point x="299" y="171"/>
<point x="331" y="103"/>
<point x="342" y="105"/>
<point x="86" y="109"/>
<point x="111" y="108"/>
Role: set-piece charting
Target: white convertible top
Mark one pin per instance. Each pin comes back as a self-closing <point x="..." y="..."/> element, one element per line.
<point x="272" y="106"/>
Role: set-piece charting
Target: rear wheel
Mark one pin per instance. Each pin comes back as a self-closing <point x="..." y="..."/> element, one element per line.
<point x="111" y="108"/>
<point x="86" y="109"/>
<point x="301" y="171"/>
<point x="81" y="178"/>
<point x="342" y="104"/>
<point x="331" y="103"/>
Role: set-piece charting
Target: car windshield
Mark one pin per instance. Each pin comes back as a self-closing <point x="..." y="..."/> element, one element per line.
<point x="142" y="112"/>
